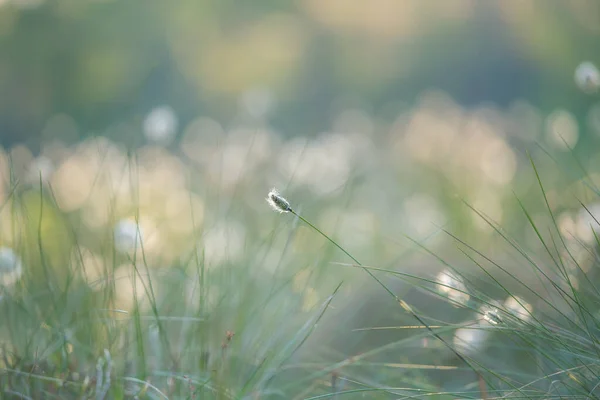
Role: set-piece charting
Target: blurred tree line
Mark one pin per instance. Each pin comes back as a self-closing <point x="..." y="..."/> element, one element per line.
<point x="108" y="61"/>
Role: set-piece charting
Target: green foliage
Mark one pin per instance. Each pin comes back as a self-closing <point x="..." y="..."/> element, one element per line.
<point x="196" y="332"/>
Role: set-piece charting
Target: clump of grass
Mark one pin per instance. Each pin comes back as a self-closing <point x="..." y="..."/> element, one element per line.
<point x="192" y="331"/>
<point x="514" y="349"/>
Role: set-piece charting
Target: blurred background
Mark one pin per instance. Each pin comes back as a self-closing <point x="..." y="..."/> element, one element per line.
<point x="82" y="67"/>
<point x="423" y="102"/>
<point x="376" y="119"/>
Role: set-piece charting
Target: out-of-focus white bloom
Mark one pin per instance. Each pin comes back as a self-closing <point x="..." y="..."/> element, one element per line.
<point x="469" y="341"/>
<point x="518" y="307"/>
<point x="587" y="77"/>
<point x="452" y="286"/>
<point x="11" y="267"/>
<point x="128" y="236"/>
<point x="9" y="261"/>
<point x="160" y="125"/>
<point x="40" y="168"/>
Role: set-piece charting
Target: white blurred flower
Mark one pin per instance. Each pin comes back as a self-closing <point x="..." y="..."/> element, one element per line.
<point x="452" y="286"/>
<point x="11" y="267"/>
<point x="40" y="168"/>
<point x="160" y="125"/>
<point x="128" y="236"/>
<point x="469" y="341"/>
<point x="518" y="307"/>
<point x="587" y="77"/>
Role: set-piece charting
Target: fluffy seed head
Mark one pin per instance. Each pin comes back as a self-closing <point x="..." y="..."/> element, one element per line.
<point x="587" y="77"/>
<point x="11" y="267"/>
<point x="128" y="236"/>
<point x="492" y="317"/>
<point x="9" y="261"/>
<point x="277" y="202"/>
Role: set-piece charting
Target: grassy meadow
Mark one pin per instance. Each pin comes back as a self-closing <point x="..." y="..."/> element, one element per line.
<point x="315" y="199"/>
<point x="162" y="272"/>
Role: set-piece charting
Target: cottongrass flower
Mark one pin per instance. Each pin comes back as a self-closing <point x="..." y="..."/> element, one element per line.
<point x="490" y="314"/>
<point x="11" y="267"/>
<point x="128" y="236"/>
<point x="469" y="341"/>
<point x="587" y="77"/>
<point x="280" y="204"/>
<point x="452" y="286"/>
<point x="160" y="125"/>
<point x="277" y="202"/>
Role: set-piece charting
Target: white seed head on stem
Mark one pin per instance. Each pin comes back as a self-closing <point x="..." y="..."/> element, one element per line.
<point x="277" y="202"/>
